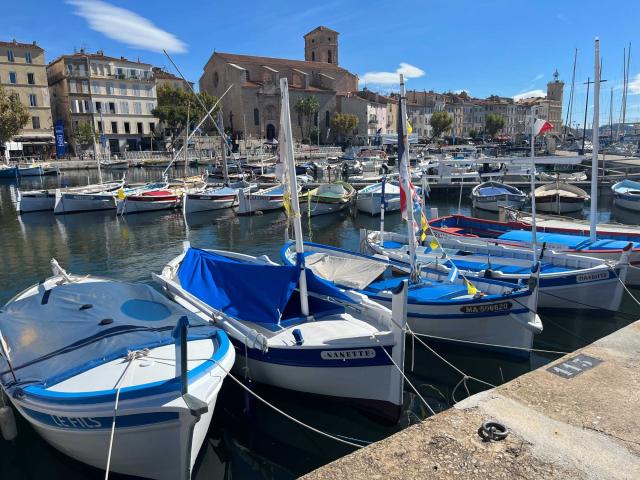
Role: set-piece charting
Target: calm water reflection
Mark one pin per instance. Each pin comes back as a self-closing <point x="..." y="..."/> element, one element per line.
<point x="247" y="440"/>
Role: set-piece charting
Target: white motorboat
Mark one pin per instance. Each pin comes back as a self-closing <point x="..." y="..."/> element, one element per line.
<point x="263" y="200"/>
<point x="328" y="198"/>
<point x="627" y="195"/>
<point x="369" y="199"/>
<point x="567" y="282"/>
<point x="42" y="200"/>
<point x="113" y="374"/>
<point x="559" y="197"/>
<point x="492" y="196"/>
<point x="88" y="199"/>
<point x="214" y="198"/>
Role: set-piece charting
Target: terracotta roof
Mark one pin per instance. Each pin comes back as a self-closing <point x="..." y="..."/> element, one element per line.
<point x="279" y="62"/>
<point x="98" y="56"/>
<point x="249" y="84"/>
<point x="321" y="28"/>
<point x="21" y="45"/>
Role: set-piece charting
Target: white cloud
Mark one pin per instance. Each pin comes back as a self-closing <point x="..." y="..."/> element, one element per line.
<point x="529" y="94"/>
<point x="126" y="26"/>
<point x="634" y="85"/>
<point x="391" y="78"/>
<point x="538" y="77"/>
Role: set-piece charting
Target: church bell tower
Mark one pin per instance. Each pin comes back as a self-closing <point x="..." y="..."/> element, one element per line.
<point x="321" y="45"/>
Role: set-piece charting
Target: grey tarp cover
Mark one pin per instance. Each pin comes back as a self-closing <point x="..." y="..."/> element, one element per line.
<point x="52" y="336"/>
<point x="349" y="272"/>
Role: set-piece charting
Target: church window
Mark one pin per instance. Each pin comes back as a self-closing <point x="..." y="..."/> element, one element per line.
<point x="329" y="56"/>
<point x="256" y="116"/>
<point x="216" y="79"/>
<point x="313" y="56"/>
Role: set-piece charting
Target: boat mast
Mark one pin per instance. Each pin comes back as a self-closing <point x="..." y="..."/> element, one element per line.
<point x="534" y="245"/>
<point x="186" y="141"/>
<point x="596" y="143"/>
<point x="225" y="169"/>
<point x="403" y="158"/>
<point x="570" y="106"/>
<point x="382" y="208"/>
<point x="286" y="149"/>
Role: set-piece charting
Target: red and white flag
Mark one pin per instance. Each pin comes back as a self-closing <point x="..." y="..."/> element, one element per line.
<point x="540" y="126"/>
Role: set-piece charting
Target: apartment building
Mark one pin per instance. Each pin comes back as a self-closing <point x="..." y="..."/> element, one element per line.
<point x="115" y="95"/>
<point x="23" y="73"/>
<point x="165" y="78"/>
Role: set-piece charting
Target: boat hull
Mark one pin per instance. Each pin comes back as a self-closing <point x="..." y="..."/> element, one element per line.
<point x="251" y="203"/>
<point x="371" y="204"/>
<point x="42" y="201"/>
<point x="557" y="204"/>
<point x="147" y="204"/>
<point x="628" y="202"/>
<point x="30" y="171"/>
<point x="202" y="202"/>
<point x="314" y="208"/>
<point x="76" y="203"/>
<point x="494" y="203"/>
<point x="10" y="172"/>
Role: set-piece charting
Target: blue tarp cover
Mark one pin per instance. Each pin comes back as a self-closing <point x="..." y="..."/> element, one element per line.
<point x="492" y="191"/>
<point x="577" y="242"/>
<point x="247" y="291"/>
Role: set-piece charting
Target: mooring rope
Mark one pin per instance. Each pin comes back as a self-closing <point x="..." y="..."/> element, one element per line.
<point x="337" y="438"/>
<point x="131" y="356"/>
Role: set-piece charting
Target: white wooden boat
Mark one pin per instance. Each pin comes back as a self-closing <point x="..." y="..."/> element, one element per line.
<point x="563" y="176"/>
<point x="267" y="199"/>
<point x="560" y="198"/>
<point x="42" y="200"/>
<point x="214" y="198"/>
<point x="115" y="164"/>
<point x="328" y="198"/>
<point x="627" y="195"/>
<point x="369" y="199"/>
<point x="500" y="314"/>
<point x="338" y="351"/>
<point x="492" y="196"/>
<point x="152" y="200"/>
<point x="88" y="199"/>
<point x="101" y="351"/>
<point x="567" y="282"/>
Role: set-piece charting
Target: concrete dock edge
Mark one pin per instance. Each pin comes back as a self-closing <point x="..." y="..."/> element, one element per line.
<point x="578" y="420"/>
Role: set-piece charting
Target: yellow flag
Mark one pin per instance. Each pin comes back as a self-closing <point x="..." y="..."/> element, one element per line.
<point x="433" y="243"/>
<point x="287" y="205"/>
<point x="471" y="290"/>
<point x="409" y="127"/>
<point x="121" y="194"/>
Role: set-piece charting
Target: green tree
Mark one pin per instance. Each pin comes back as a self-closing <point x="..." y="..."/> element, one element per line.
<point x="343" y="124"/>
<point x="174" y="104"/>
<point x="494" y="123"/>
<point x="473" y="133"/>
<point x="84" y="134"/>
<point x="307" y="109"/>
<point x="14" y="115"/>
<point x="440" y="122"/>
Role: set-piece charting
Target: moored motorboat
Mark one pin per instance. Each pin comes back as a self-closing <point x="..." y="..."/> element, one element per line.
<point x="43" y="200"/>
<point x="499" y="314"/>
<point x="328" y="198"/>
<point x="492" y="196"/>
<point x="560" y="197"/>
<point x="369" y="199"/>
<point x="89" y="199"/>
<point x="263" y="200"/>
<point x="113" y="374"/>
<point x="342" y="349"/>
<point x="627" y="195"/>
<point x="567" y="282"/>
<point x="149" y="201"/>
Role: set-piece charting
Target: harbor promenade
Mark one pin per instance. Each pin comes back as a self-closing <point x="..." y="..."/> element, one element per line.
<point x="575" y="418"/>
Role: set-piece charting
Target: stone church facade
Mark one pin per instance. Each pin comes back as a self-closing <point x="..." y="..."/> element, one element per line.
<point x="252" y="105"/>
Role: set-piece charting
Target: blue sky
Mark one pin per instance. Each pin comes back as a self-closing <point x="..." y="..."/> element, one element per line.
<point x="503" y="47"/>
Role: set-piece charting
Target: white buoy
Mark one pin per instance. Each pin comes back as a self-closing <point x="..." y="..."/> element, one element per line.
<point x="8" y="425"/>
<point x="434" y="212"/>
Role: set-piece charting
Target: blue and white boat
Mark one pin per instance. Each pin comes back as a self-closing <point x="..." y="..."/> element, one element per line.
<point x="567" y="282"/>
<point x="627" y="195"/>
<point x="87" y="199"/>
<point x="370" y="197"/>
<point x="291" y="329"/>
<point x="263" y="200"/>
<point x="492" y="196"/>
<point x="113" y="374"/>
<point x="438" y="305"/>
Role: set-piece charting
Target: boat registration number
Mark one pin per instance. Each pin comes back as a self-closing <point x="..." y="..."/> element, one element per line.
<point x="348" y="354"/>
<point x="491" y="308"/>
<point x="592" y="277"/>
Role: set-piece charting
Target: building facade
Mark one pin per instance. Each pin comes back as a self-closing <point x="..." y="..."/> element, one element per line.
<point x="23" y="73"/>
<point x="376" y="114"/>
<point x="251" y="107"/>
<point x="168" y="79"/>
<point x="114" y="95"/>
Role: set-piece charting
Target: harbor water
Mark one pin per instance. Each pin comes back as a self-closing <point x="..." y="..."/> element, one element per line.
<point x="247" y="439"/>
